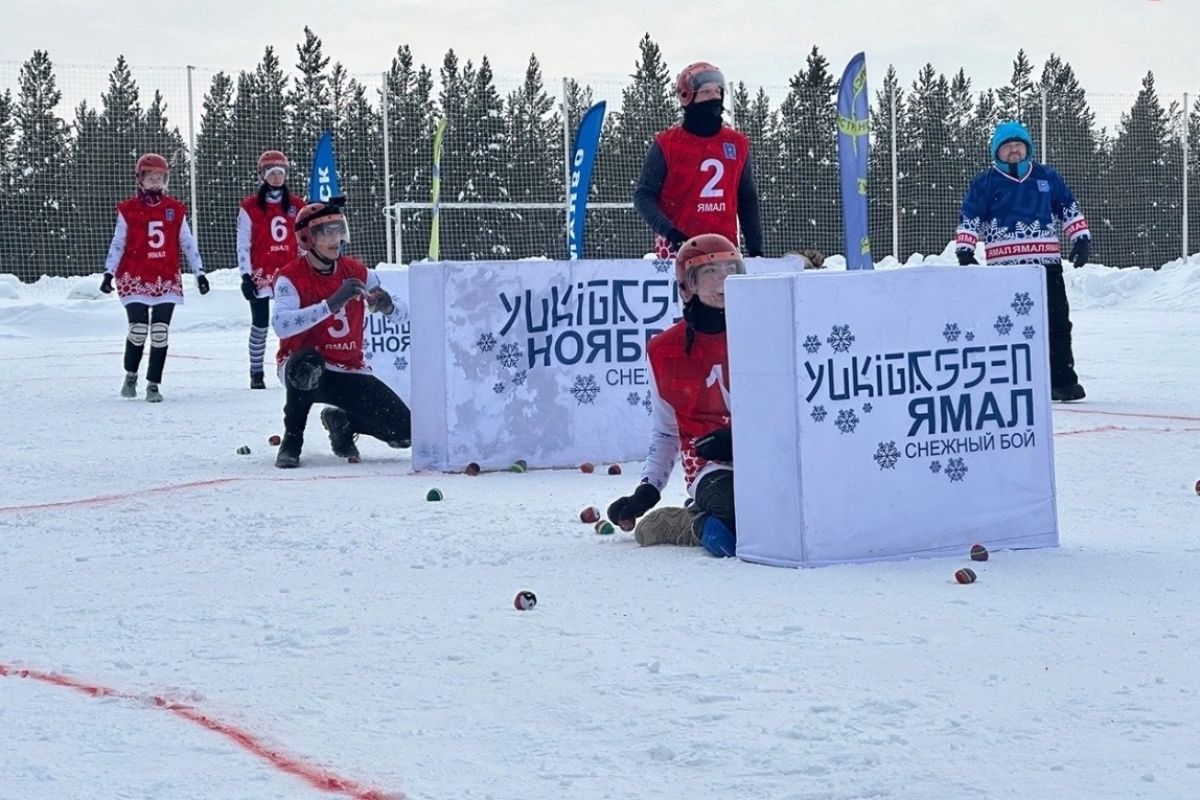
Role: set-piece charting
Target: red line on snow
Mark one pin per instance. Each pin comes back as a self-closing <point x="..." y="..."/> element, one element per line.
<point x="108" y="499"/>
<point x="314" y="776"/>
<point x="1136" y="414"/>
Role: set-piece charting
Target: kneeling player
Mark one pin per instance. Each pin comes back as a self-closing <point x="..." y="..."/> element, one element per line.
<point x="320" y="299"/>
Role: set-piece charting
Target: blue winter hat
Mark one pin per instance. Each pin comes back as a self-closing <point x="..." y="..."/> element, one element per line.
<point x="1012" y="131"/>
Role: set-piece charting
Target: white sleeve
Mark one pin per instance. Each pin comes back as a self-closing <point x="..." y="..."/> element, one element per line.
<point x="117" y="248"/>
<point x="243" y="242"/>
<point x="191" y="251"/>
<point x="287" y="317"/>
<point x="399" y="315"/>
<point x="664" y="439"/>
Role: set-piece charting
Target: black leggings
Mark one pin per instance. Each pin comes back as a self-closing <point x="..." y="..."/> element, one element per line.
<point x="148" y="322"/>
<point x="374" y="409"/>
<point x="714" y="495"/>
<point x="1058" y="312"/>
<point x="260" y="312"/>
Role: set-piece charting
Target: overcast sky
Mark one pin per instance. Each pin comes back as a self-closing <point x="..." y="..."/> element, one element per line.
<point x="1110" y="43"/>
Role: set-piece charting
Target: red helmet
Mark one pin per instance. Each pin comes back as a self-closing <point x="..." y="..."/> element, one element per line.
<point x="149" y="162"/>
<point x="699" y="82"/>
<point x="315" y="213"/>
<point x="269" y="159"/>
<point x="698" y="251"/>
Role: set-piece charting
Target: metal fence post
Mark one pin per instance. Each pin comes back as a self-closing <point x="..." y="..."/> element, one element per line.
<point x="192" y="155"/>
<point x="1045" y="153"/>
<point x="567" y="163"/>
<point x="1186" y="133"/>
<point x="895" y="184"/>
<point x="388" y="211"/>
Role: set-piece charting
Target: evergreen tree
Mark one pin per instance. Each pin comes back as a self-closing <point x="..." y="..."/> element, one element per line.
<point x="934" y="188"/>
<point x="964" y="139"/>
<point x="40" y="191"/>
<point x="360" y="164"/>
<point x="9" y="222"/>
<point x="223" y="185"/>
<point x="879" y="172"/>
<point x="260" y="123"/>
<point x="1143" y="183"/>
<point x="1020" y="100"/>
<point x="410" y="130"/>
<point x="760" y="124"/>
<point x="809" y="181"/>
<point x="310" y="99"/>
<point x="156" y="137"/>
<point x="647" y="107"/>
<point x="1194" y="176"/>
<point x="453" y="98"/>
<point x="486" y="167"/>
<point x="534" y="169"/>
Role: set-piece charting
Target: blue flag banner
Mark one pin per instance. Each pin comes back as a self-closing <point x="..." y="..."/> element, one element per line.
<point x="323" y="182"/>
<point x="854" y="149"/>
<point x="587" y="140"/>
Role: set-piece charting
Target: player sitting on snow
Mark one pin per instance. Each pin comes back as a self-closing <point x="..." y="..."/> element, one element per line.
<point x="689" y="374"/>
<point x="320" y="300"/>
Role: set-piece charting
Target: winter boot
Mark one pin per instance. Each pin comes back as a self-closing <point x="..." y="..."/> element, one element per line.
<point x="152" y="393"/>
<point x="129" y="388"/>
<point x="666" y="525"/>
<point x="715" y="537"/>
<point x="1067" y="394"/>
<point x="341" y="438"/>
<point x="256" y="381"/>
<point x="288" y="456"/>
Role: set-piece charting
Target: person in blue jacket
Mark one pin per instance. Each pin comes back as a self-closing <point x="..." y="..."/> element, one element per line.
<point x="1019" y="208"/>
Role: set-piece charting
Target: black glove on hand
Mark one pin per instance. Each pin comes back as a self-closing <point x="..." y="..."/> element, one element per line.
<point x="676" y="237"/>
<point x="378" y="300"/>
<point x="716" y="446"/>
<point x="249" y="290"/>
<point x="966" y="257"/>
<point x="624" y="511"/>
<point x="106" y="284"/>
<point x="1080" y="250"/>
<point x="202" y="283"/>
<point x="350" y="289"/>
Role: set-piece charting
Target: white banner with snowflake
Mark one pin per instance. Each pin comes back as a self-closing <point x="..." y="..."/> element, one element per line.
<point x="890" y="414"/>
<point x="537" y="360"/>
<point x="385" y="345"/>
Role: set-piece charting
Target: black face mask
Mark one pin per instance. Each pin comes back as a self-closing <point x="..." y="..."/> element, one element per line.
<point x="704" y="118"/>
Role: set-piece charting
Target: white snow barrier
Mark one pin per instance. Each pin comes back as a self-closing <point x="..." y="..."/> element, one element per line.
<point x="537" y="360"/>
<point x="885" y="415"/>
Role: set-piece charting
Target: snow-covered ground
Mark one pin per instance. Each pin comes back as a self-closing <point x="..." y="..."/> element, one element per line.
<point x="341" y="619"/>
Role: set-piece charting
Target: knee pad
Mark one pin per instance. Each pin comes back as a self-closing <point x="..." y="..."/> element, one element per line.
<point x="303" y="370"/>
<point x="158" y="334"/>
<point x="137" y="333"/>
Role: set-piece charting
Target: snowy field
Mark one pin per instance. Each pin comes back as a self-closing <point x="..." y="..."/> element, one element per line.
<point x="363" y="635"/>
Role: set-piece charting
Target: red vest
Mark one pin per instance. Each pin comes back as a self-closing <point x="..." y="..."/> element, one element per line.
<point x="339" y="339"/>
<point x="272" y="239"/>
<point x="149" y="265"/>
<point x="703" y="174"/>
<point x="695" y="384"/>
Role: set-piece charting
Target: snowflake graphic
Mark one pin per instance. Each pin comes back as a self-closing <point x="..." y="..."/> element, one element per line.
<point x="647" y="403"/>
<point x="509" y="355"/>
<point x="633" y="398"/>
<point x="1029" y="332"/>
<point x="519" y="378"/>
<point x="955" y="469"/>
<point x="499" y="387"/>
<point x="952" y="332"/>
<point x="369" y="354"/>
<point x="1021" y="303"/>
<point x="812" y="344"/>
<point x="1003" y="325"/>
<point x="663" y="264"/>
<point x="819" y="413"/>
<point x="887" y="455"/>
<point x="585" y="389"/>
<point x="935" y="467"/>
<point x="401" y="363"/>
<point x="846" y="421"/>
<point x="969" y="336"/>
<point x="486" y="342"/>
<point x="868" y="408"/>
<point x="841" y="338"/>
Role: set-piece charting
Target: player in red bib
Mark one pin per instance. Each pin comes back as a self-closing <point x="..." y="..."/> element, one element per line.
<point x="321" y="299"/>
<point x="689" y="391"/>
<point x="697" y="177"/>
<point x="151" y="230"/>
<point x="266" y="241"/>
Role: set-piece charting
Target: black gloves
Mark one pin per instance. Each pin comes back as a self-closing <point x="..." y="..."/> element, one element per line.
<point x="624" y="511"/>
<point x="249" y="290"/>
<point x="106" y="284"/>
<point x="350" y="289"/>
<point x="716" y="446"/>
<point x="965" y="257"/>
<point x="1080" y="250"/>
<point x="202" y="283"/>
<point x="676" y="237"/>
<point x="379" y="300"/>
